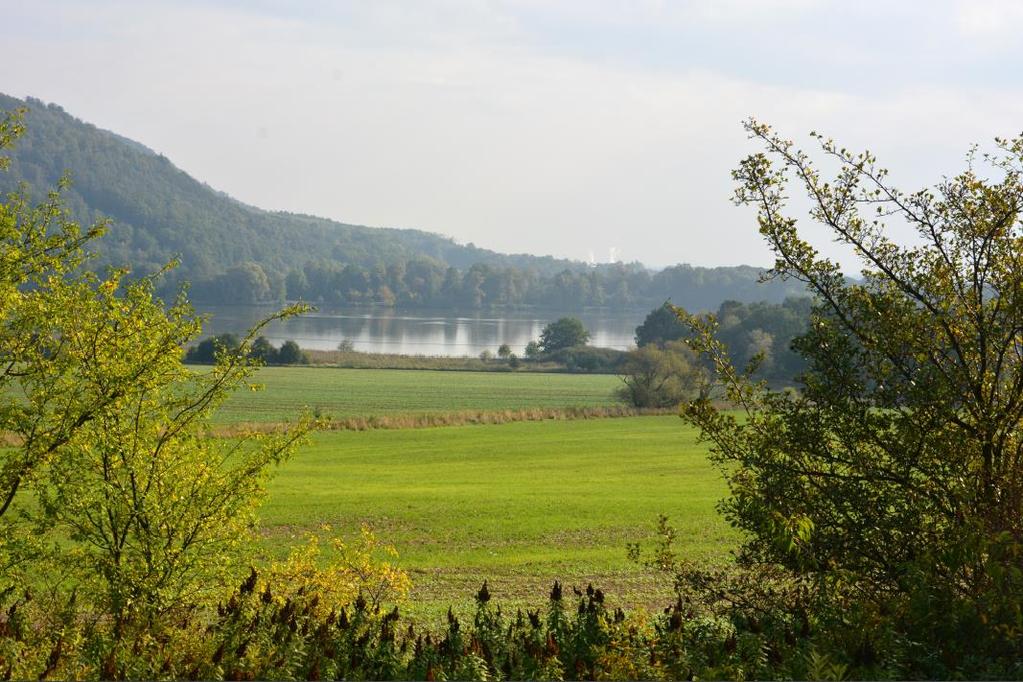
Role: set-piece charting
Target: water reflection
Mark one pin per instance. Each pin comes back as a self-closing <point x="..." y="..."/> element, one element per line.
<point x="389" y="331"/>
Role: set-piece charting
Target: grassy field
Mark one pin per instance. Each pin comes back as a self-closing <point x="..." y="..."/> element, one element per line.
<point x="519" y="504"/>
<point x="363" y="392"/>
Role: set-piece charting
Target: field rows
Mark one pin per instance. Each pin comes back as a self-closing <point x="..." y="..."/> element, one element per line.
<point x="519" y="504"/>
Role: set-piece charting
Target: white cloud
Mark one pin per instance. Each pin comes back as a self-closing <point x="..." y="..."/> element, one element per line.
<point x="991" y="18"/>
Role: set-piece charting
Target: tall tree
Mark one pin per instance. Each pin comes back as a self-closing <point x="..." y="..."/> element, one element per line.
<point x="111" y="484"/>
<point x="563" y="333"/>
<point x="894" y="477"/>
<point x="660" y="326"/>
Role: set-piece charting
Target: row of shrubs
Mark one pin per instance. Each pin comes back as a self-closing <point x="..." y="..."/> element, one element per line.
<point x="588" y="359"/>
<point x="582" y="359"/>
<point x="205" y="352"/>
<point x="300" y="621"/>
<point x="256" y="634"/>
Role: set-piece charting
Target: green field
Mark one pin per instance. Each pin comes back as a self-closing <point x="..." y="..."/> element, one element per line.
<point x="365" y="392"/>
<point x="519" y="504"/>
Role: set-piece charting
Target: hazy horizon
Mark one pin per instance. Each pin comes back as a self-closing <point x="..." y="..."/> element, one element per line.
<point x="567" y="129"/>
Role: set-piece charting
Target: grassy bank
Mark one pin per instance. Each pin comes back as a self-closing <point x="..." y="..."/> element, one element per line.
<point x="578" y="359"/>
<point x="519" y="504"/>
<point x="360" y="360"/>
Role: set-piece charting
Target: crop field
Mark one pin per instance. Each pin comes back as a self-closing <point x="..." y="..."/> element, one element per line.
<point x="519" y="504"/>
<point x="363" y="392"/>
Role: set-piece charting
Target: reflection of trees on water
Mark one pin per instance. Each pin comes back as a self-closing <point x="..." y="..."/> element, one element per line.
<point x="391" y="331"/>
<point x="450" y="328"/>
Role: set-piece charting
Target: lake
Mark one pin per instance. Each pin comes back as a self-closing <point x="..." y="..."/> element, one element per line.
<point x="421" y="333"/>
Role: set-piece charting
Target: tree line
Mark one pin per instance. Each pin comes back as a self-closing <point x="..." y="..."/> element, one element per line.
<point x="260" y="350"/>
<point x="230" y="252"/>
<point x="428" y="283"/>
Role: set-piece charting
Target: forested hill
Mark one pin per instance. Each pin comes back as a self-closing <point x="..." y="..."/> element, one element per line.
<point x="235" y="253"/>
<point x="159" y="211"/>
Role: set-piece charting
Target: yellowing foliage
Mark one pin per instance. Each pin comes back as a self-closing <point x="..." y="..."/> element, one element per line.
<point x="341" y="573"/>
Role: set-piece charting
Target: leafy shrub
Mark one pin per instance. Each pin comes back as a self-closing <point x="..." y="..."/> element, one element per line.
<point x="659" y="377"/>
<point x="270" y="628"/>
<point x="291" y="354"/>
<point x="588" y="359"/>
<point x="205" y="352"/>
<point x="263" y="351"/>
<point x="260" y="350"/>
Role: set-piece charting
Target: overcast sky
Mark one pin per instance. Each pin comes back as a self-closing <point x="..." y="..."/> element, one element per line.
<point x="564" y="128"/>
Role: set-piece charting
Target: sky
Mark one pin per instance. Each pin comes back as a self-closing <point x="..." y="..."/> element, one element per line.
<point x="581" y="129"/>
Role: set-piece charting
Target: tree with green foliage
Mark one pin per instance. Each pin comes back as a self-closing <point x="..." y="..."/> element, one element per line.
<point x="290" y="354"/>
<point x="206" y="350"/>
<point x="653" y="376"/>
<point x="504" y="351"/>
<point x="114" y="502"/>
<point x="660" y="326"/>
<point x="766" y="329"/>
<point x="565" y="332"/>
<point x="890" y="486"/>
<point x="263" y="351"/>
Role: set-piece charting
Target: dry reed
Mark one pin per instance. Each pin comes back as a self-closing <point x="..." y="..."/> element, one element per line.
<point x="459" y="418"/>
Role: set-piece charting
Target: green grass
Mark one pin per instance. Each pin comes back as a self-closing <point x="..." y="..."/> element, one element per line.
<point x="363" y="392"/>
<point x="520" y="504"/>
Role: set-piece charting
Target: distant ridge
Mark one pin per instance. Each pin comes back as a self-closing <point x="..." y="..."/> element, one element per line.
<point x="236" y="253"/>
<point x="159" y="210"/>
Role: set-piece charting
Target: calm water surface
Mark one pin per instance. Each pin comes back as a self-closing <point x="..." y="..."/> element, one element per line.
<point x="421" y="333"/>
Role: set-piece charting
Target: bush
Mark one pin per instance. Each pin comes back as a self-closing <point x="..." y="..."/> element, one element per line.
<point x="205" y="352"/>
<point x="291" y="354"/>
<point x="656" y="377"/>
<point x="285" y="624"/>
<point x="260" y="350"/>
<point x="588" y="359"/>
<point x="263" y="351"/>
